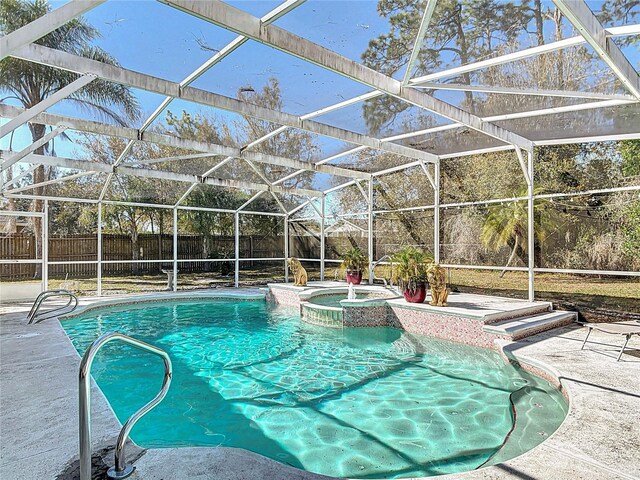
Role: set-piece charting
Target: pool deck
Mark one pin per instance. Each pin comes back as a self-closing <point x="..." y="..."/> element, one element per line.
<point x="600" y="438"/>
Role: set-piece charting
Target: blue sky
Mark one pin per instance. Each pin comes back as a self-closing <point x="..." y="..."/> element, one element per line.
<point x="150" y="37"/>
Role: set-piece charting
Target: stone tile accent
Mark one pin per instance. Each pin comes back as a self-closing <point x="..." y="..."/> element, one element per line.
<point x="283" y="296"/>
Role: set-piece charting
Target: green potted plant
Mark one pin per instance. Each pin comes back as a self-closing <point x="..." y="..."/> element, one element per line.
<point x="354" y="262"/>
<point x="409" y="272"/>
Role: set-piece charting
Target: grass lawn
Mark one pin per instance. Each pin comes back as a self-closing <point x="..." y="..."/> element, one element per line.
<point x="610" y="286"/>
<point x="584" y="292"/>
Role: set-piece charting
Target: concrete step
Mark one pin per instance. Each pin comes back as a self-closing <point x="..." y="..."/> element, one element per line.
<point x="522" y="327"/>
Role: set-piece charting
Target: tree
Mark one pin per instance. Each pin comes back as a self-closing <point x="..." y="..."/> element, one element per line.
<point x="292" y="143"/>
<point x="630" y="211"/>
<point x="630" y="152"/>
<point x="507" y="225"/>
<point x="30" y="83"/>
<point x="460" y="32"/>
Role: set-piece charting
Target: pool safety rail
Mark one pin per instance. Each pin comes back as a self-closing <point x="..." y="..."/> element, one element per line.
<point x="388" y="260"/>
<point x="36" y="317"/>
<point x="121" y="469"/>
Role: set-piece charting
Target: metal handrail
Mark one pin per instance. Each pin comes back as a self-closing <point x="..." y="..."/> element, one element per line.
<point x="120" y="470"/>
<point x="33" y="316"/>
<point x="373" y="267"/>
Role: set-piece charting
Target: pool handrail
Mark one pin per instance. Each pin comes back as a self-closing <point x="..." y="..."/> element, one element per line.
<point x="34" y="317"/>
<point x="373" y="267"/>
<point x="121" y="469"/>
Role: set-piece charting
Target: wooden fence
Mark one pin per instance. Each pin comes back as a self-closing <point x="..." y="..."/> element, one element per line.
<point x="78" y="248"/>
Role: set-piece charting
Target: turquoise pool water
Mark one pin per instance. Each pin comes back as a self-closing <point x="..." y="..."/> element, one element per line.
<point x="360" y="403"/>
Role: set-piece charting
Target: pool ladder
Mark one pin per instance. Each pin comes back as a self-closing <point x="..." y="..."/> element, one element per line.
<point x="121" y="468"/>
<point x="373" y="268"/>
<point x="36" y="317"/>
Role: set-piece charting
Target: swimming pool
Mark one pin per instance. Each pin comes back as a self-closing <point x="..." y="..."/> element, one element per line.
<point x="360" y="403"/>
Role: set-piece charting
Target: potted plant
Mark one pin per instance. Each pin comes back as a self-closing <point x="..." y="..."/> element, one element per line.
<point x="410" y="267"/>
<point x="354" y="262"/>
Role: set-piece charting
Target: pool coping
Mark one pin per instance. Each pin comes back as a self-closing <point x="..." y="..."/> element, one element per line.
<point x="594" y="382"/>
<point x="163" y="297"/>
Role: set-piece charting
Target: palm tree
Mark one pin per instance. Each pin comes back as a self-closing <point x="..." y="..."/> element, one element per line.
<point x="30" y="83"/>
<point x="506" y="225"/>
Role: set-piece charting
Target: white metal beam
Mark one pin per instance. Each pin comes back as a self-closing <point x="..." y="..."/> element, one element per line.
<point x="111" y="73"/>
<point x="581" y="16"/>
<point x="519" y="55"/>
<point x="531" y="235"/>
<point x="280" y="204"/>
<point x="340" y="187"/>
<point x="87" y="166"/>
<point x="204" y="175"/>
<point x="190" y="156"/>
<point x="343" y="104"/>
<point x="436" y="215"/>
<point x="423" y="81"/>
<point x="523" y="165"/>
<point x="323" y="238"/>
<point x="363" y="193"/>
<point x="299" y="207"/>
<point x="370" y="239"/>
<point x="615" y="31"/>
<point x="19" y="177"/>
<point x="278" y="12"/>
<point x="169" y="140"/>
<point x="422" y="30"/>
<point x="237" y="248"/>
<point x="563" y="109"/>
<point x="239" y="21"/>
<point x="35" y="145"/>
<point x="248" y="202"/>
<point x="61" y="94"/>
<point x="315" y="207"/>
<point x="320" y="162"/>
<point x="540" y="92"/>
<point x="186" y="194"/>
<point x="509" y="116"/>
<point x="44" y="25"/>
<point x="51" y="182"/>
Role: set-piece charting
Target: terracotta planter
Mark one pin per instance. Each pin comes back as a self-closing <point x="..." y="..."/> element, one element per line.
<point x="354" y="276"/>
<point x="418" y="295"/>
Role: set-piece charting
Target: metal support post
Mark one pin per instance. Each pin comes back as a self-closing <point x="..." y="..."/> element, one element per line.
<point x="286" y="248"/>
<point x="99" y="274"/>
<point x="436" y="214"/>
<point x="370" y="231"/>
<point x="530" y="226"/>
<point x="322" y="237"/>
<point x="175" y="249"/>
<point x="45" y="247"/>
<point x="237" y="249"/>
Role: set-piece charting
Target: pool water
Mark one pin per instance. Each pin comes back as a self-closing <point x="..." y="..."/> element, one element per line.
<point x="359" y="403"/>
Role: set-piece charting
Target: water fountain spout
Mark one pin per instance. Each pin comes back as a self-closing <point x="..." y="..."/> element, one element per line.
<point x="351" y="295"/>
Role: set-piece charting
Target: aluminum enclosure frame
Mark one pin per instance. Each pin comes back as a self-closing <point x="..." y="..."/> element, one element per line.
<point x="260" y="29"/>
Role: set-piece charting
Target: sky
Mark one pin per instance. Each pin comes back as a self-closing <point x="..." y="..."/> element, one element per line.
<point x="150" y="37"/>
